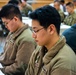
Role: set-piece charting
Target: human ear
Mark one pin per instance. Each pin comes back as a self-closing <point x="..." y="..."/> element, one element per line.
<point x="51" y="28"/>
<point x="15" y="18"/>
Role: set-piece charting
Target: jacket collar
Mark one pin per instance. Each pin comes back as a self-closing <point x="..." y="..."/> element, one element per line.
<point x="53" y="51"/>
<point x="18" y="32"/>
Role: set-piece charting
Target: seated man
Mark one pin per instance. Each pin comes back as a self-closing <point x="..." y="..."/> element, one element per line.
<point x="61" y="7"/>
<point x="57" y="6"/>
<point x="71" y="18"/>
<point x="62" y="2"/>
<point x="54" y="57"/>
<point x="25" y="8"/>
<point x="70" y="35"/>
<point x="19" y="43"/>
<point x="74" y="2"/>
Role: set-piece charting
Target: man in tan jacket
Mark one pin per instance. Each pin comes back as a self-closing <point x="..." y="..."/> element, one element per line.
<point x="19" y="42"/>
<point x="70" y="19"/>
<point x="54" y="57"/>
<point x="57" y="6"/>
<point x="25" y="8"/>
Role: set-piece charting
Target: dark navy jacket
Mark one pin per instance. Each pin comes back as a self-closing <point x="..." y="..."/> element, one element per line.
<point x="70" y="35"/>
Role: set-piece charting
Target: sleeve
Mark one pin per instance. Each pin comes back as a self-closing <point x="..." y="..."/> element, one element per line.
<point x="62" y="67"/>
<point x="73" y="21"/>
<point x="24" y="52"/>
<point x="62" y="71"/>
<point x="62" y="16"/>
<point x="65" y="19"/>
<point x="30" y="68"/>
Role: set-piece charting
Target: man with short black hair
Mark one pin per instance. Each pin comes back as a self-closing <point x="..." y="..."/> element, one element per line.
<point x="54" y="57"/>
<point x="71" y="17"/>
<point x="19" y="43"/>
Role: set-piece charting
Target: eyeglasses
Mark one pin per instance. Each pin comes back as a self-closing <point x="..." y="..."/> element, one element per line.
<point x="35" y="31"/>
<point x="6" y="23"/>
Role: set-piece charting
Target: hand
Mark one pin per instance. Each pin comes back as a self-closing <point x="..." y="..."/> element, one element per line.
<point x="3" y="70"/>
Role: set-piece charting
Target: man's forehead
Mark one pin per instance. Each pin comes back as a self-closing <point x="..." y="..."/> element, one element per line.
<point x="4" y="19"/>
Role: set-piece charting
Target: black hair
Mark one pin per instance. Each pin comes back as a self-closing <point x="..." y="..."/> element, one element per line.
<point x="47" y="15"/>
<point x="62" y="1"/>
<point x="13" y="2"/>
<point x="70" y="4"/>
<point x="9" y="11"/>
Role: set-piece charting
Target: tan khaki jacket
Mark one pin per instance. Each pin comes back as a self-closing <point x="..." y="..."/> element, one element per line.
<point x="70" y="19"/>
<point x="17" y="51"/>
<point x="59" y="60"/>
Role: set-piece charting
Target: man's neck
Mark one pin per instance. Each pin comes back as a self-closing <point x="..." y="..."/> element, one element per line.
<point x="54" y="40"/>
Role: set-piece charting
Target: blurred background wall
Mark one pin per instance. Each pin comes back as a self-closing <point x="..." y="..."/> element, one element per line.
<point x="35" y="3"/>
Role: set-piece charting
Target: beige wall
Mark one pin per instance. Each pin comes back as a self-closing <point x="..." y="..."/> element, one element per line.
<point x="3" y="2"/>
<point x="39" y="3"/>
<point x="36" y="4"/>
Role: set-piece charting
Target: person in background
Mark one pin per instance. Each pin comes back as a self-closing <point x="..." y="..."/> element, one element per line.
<point x="57" y="6"/>
<point x="70" y="35"/>
<point x="74" y="2"/>
<point x="19" y="43"/>
<point x="62" y="2"/>
<point x="52" y="4"/>
<point x="25" y="7"/>
<point x="54" y="57"/>
<point x="70" y="19"/>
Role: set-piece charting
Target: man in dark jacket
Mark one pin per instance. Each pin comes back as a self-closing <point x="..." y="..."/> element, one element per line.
<point x="70" y="35"/>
